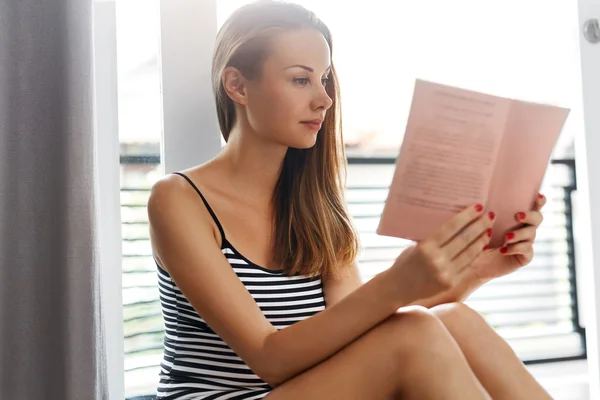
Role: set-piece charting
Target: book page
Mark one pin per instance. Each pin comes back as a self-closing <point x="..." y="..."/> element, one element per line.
<point x="446" y="159"/>
<point x="532" y="131"/>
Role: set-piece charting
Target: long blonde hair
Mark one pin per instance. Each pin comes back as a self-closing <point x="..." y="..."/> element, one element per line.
<point x="313" y="230"/>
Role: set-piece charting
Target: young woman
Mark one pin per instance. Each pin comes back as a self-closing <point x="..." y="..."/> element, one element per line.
<point x="257" y="253"/>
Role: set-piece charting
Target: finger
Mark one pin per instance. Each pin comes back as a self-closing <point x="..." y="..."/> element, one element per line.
<point x="540" y="202"/>
<point x="456" y="245"/>
<point x="527" y="233"/>
<point x="464" y="259"/>
<point x="534" y="218"/>
<point x="457" y="223"/>
<point x="523" y="248"/>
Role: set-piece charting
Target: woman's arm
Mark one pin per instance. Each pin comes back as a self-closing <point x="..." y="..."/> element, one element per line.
<point x="336" y="289"/>
<point x="183" y="240"/>
<point x="458" y="294"/>
<point x="311" y="341"/>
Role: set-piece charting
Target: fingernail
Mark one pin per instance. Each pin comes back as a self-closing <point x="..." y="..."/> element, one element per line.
<point x="510" y="236"/>
<point x="489" y="232"/>
<point x="504" y="250"/>
<point x="492" y="215"/>
<point x="478" y="207"/>
<point x="486" y="247"/>
<point x="540" y="196"/>
<point x="520" y="216"/>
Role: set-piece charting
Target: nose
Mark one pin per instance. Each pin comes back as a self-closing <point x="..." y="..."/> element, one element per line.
<point x="322" y="99"/>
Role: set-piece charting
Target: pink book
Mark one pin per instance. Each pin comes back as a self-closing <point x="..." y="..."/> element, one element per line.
<point x="463" y="147"/>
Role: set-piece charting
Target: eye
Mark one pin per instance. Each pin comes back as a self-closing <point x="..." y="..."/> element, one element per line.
<point x="305" y="81"/>
<point x="301" y="81"/>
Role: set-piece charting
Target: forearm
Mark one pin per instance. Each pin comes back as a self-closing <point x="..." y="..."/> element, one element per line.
<point x="456" y="295"/>
<point x="307" y="343"/>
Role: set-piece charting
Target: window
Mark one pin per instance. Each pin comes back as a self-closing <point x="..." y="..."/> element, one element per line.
<point x="534" y="309"/>
<point x="526" y="49"/>
<point x="140" y="132"/>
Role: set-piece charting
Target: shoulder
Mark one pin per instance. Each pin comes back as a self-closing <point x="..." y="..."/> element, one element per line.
<point x="174" y="201"/>
<point x="168" y="186"/>
<point x="176" y="190"/>
<point x="176" y="214"/>
<point x="168" y="193"/>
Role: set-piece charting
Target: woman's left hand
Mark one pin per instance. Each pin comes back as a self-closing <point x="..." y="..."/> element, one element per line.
<point x="517" y="250"/>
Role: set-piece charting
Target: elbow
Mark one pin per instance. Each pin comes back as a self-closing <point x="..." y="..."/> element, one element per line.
<point x="268" y="370"/>
<point x="271" y="370"/>
<point x="269" y="364"/>
<point x="271" y="377"/>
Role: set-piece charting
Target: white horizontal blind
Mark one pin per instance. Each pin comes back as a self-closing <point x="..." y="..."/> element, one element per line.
<point x="533" y="308"/>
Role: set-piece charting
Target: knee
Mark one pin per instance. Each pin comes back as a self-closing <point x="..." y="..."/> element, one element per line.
<point x="459" y="315"/>
<point x="414" y="319"/>
<point x="416" y="331"/>
<point x="417" y="319"/>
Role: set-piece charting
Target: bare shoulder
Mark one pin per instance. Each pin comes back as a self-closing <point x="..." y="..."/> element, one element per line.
<point x="174" y="186"/>
<point x="174" y="208"/>
<point x="170" y="196"/>
<point x="173" y="194"/>
<point x="168" y="188"/>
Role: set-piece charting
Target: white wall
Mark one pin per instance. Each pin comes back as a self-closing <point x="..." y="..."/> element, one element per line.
<point x="587" y="146"/>
<point x="187" y="33"/>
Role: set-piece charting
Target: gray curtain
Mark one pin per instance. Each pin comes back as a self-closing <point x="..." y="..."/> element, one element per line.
<point x="50" y="319"/>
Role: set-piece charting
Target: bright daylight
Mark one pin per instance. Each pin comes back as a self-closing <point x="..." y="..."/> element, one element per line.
<point x="464" y="233"/>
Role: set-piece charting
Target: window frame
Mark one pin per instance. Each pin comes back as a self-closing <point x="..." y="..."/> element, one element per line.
<point x="108" y="201"/>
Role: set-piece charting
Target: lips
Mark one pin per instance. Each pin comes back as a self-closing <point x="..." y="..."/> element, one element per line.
<point x="313" y="125"/>
<point x="314" y="121"/>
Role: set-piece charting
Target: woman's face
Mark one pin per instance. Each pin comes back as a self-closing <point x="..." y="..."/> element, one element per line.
<point x="291" y="90"/>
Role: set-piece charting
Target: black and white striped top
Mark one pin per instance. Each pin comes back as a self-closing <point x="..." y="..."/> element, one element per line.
<point x="197" y="363"/>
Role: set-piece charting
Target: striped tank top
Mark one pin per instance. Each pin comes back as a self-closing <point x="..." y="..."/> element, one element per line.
<point x="197" y="363"/>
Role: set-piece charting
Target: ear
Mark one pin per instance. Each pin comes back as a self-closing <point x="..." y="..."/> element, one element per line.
<point x="233" y="82"/>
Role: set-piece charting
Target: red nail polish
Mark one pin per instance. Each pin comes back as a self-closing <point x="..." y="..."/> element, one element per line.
<point x="486" y="247"/>
<point x="492" y="215"/>
<point x="478" y="207"/>
<point x="489" y="232"/>
<point x="510" y="236"/>
<point x="504" y="250"/>
<point x="520" y="216"/>
<point x="540" y="196"/>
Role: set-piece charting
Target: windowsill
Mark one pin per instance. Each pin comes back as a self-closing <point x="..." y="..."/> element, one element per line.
<point x="565" y="380"/>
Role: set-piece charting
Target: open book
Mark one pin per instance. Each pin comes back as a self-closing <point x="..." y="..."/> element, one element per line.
<point x="463" y="147"/>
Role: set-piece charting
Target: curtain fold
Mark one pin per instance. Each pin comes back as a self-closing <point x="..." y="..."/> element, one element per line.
<point x="51" y="344"/>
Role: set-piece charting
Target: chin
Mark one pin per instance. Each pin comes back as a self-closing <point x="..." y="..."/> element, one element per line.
<point x="304" y="145"/>
<point x="303" y="140"/>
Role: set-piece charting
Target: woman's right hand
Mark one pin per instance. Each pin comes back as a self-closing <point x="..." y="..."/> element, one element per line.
<point x="441" y="262"/>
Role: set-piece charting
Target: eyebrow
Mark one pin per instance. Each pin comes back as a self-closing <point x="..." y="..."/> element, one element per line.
<point x="309" y="69"/>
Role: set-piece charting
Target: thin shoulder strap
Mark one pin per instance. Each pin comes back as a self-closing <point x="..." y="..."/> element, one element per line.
<point x="208" y="207"/>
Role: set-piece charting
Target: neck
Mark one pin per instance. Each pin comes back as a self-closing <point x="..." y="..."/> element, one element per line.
<point x="252" y="166"/>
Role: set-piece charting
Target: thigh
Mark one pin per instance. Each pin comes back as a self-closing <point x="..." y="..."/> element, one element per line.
<point x="368" y="368"/>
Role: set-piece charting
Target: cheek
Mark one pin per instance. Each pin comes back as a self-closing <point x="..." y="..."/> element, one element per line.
<point x="278" y="110"/>
<point x="287" y="111"/>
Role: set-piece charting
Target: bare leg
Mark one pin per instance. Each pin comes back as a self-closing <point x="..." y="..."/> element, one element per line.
<point x="410" y="355"/>
<point x="494" y="362"/>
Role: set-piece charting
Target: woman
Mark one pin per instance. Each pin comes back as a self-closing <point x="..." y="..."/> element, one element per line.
<point x="256" y="251"/>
